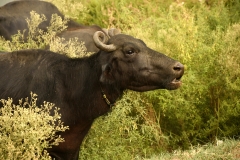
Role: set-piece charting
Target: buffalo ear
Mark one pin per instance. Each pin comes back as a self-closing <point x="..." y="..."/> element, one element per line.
<point x="106" y="76"/>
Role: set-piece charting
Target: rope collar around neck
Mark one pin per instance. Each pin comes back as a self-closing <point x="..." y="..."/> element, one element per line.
<point x="106" y="99"/>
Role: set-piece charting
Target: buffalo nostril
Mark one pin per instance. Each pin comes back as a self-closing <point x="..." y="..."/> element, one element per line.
<point x="178" y="67"/>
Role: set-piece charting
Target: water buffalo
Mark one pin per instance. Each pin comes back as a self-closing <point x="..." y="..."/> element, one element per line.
<point x="85" y="88"/>
<point x="13" y="16"/>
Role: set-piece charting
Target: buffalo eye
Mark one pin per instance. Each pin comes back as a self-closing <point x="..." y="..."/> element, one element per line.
<point x="130" y="49"/>
<point x="130" y="52"/>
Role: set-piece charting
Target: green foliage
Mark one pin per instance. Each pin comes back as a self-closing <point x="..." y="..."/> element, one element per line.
<point x="71" y="8"/>
<point x="128" y="131"/>
<point x="121" y="14"/>
<point x="27" y="130"/>
<point x="39" y="39"/>
<point x="204" y="36"/>
<point x="207" y="105"/>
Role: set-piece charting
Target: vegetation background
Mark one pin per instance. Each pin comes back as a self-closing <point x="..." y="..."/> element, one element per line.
<point x="202" y="34"/>
<point x="205" y="37"/>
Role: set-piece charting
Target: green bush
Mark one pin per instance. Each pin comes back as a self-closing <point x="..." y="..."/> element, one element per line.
<point x="204" y="36"/>
<point x="38" y="39"/>
<point x="130" y="130"/>
<point x="71" y="8"/>
<point x="207" y="105"/>
<point x="27" y="130"/>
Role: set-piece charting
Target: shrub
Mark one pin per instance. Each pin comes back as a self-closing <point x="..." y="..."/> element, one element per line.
<point x="204" y="36"/>
<point x="207" y="105"/>
<point x="27" y="130"/>
<point x="71" y="8"/>
<point x="39" y="39"/>
<point x="128" y="131"/>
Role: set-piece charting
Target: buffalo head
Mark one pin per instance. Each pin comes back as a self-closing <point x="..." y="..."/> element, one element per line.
<point x="129" y="63"/>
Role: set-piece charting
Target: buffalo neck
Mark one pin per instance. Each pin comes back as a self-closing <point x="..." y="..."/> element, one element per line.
<point x="110" y="92"/>
<point x="89" y="90"/>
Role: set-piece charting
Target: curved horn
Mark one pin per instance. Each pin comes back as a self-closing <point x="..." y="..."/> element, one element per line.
<point x="100" y="43"/>
<point x="105" y="31"/>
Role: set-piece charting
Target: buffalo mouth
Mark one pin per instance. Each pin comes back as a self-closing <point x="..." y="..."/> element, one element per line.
<point x="168" y="84"/>
<point x="175" y="83"/>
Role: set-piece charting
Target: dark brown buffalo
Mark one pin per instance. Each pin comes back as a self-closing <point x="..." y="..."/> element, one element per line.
<point x="78" y="86"/>
<point x="13" y="16"/>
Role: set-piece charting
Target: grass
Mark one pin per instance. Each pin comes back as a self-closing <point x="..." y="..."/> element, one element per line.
<point x="227" y="149"/>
